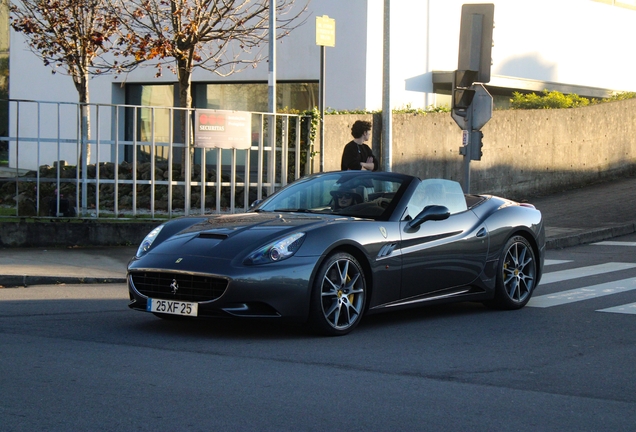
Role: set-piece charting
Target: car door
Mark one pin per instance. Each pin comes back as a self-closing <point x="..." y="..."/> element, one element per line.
<point x="441" y="254"/>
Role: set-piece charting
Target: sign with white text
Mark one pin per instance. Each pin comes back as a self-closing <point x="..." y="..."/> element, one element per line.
<point x="222" y="129"/>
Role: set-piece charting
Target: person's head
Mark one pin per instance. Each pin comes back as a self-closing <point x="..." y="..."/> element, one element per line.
<point x="360" y="127"/>
<point x="346" y="197"/>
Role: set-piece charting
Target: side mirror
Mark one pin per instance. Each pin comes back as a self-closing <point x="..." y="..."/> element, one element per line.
<point x="255" y="203"/>
<point x="432" y="212"/>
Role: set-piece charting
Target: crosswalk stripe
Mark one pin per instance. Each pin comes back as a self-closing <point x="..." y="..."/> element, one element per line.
<point x="555" y="262"/>
<point x="579" y="294"/>
<point x="615" y="243"/>
<point x="559" y="276"/>
<point x="624" y="309"/>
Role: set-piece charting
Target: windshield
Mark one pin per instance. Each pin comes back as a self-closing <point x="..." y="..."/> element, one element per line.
<point x="350" y="193"/>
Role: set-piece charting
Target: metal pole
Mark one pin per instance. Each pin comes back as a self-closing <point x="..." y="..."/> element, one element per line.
<point x="466" y="166"/>
<point x="387" y="117"/>
<point x="84" y="152"/>
<point x="322" y="108"/>
<point x="466" y="163"/>
<point x="271" y="80"/>
<point x="427" y="95"/>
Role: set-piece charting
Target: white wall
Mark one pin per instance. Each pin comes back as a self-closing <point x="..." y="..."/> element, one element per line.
<point x="347" y="62"/>
<point x="579" y="42"/>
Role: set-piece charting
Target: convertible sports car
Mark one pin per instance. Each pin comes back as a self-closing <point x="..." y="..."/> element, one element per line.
<point x="331" y="247"/>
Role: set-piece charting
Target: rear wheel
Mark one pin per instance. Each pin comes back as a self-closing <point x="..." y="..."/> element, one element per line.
<point x="338" y="296"/>
<point x="516" y="274"/>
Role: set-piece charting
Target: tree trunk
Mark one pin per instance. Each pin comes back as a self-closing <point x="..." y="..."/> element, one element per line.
<point x="185" y="101"/>
<point x="81" y="84"/>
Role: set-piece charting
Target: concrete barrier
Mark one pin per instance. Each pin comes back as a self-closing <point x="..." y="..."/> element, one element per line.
<point x="526" y="152"/>
<point x="66" y="232"/>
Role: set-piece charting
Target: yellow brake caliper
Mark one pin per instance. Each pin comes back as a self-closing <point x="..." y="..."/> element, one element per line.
<point x="350" y="295"/>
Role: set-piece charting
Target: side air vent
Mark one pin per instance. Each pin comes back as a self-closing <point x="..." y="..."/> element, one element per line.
<point x="387" y="250"/>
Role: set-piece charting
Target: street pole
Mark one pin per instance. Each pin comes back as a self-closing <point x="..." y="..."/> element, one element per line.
<point x="325" y="36"/>
<point x="387" y="115"/>
<point x="271" y="97"/>
<point x="466" y="141"/>
<point x="322" y="107"/>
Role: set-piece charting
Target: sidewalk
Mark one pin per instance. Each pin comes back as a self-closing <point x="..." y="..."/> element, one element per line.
<point x="40" y="266"/>
<point x="574" y="217"/>
<point x="594" y="213"/>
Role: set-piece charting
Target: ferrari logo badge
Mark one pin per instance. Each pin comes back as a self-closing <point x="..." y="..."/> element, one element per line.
<point x="383" y="231"/>
<point x="174" y="286"/>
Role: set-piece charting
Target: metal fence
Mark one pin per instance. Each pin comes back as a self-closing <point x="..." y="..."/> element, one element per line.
<point x="140" y="162"/>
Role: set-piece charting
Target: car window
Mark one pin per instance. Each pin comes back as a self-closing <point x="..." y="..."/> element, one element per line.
<point x="447" y="193"/>
<point x="366" y="195"/>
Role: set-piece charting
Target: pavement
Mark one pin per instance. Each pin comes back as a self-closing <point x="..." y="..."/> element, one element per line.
<point x="574" y="217"/>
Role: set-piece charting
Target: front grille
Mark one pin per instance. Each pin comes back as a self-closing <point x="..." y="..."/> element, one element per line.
<point x="189" y="288"/>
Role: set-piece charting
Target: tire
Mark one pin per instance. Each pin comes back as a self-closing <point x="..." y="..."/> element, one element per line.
<point x="516" y="274"/>
<point x="338" y="296"/>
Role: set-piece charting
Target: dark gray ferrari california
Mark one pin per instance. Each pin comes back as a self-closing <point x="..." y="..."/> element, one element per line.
<point x="331" y="247"/>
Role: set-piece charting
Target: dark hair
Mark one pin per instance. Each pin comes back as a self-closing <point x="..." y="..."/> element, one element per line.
<point x="360" y="127"/>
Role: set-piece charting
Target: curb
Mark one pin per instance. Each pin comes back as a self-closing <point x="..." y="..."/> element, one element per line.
<point x="12" y="281"/>
<point x="590" y="236"/>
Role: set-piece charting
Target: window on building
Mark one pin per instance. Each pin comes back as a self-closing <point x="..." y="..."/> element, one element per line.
<point x="254" y="96"/>
<point x="153" y="117"/>
<point x="142" y="122"/>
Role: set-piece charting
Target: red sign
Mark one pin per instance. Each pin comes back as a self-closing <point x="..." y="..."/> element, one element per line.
<point x="223" y="129"/>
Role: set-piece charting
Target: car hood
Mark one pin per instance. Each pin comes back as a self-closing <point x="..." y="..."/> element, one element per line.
<point x="234" y="236"/>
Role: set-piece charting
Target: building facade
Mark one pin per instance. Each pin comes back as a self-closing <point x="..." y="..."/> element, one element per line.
<point x="573" y="46"/>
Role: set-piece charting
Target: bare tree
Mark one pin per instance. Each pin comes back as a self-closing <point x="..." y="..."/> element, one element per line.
<point x="220" y="36"/>
<point x="72" y="37"/>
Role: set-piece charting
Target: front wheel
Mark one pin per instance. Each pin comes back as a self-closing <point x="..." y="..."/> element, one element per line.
<point x="516" y="274"/>
<point x="338" y="296"/>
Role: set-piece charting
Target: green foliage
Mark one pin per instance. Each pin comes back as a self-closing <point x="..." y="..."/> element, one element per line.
<point x="310" y="120"/>
<point x="616" y="97"/>
<point x="557" y="100"/>
<point x="548" y="100"/>
<point x="406" y="109"/>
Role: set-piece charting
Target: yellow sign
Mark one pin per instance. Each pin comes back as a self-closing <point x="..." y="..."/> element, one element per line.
<point x="325" y="31"/>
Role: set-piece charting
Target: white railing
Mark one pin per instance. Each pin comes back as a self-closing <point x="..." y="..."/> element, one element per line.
<point x="136" y="165"/>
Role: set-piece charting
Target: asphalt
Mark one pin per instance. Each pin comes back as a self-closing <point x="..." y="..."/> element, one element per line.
<point x="573" y="217"/>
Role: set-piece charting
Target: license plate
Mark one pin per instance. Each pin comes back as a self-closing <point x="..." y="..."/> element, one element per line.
<point x="172" y="307"/>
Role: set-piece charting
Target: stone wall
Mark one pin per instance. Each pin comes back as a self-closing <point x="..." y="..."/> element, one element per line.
<point x="526" y="152"/>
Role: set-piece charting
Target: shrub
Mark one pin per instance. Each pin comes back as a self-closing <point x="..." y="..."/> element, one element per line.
<point x="556" y="100"/>
<point x="548" y="100"/>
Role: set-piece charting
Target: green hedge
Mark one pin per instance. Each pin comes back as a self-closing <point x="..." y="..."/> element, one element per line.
<point x="558" y="100"/>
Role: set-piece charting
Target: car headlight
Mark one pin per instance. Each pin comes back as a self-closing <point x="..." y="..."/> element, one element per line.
<point x="277" y="251"/>
<point x="147" y="242"/>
